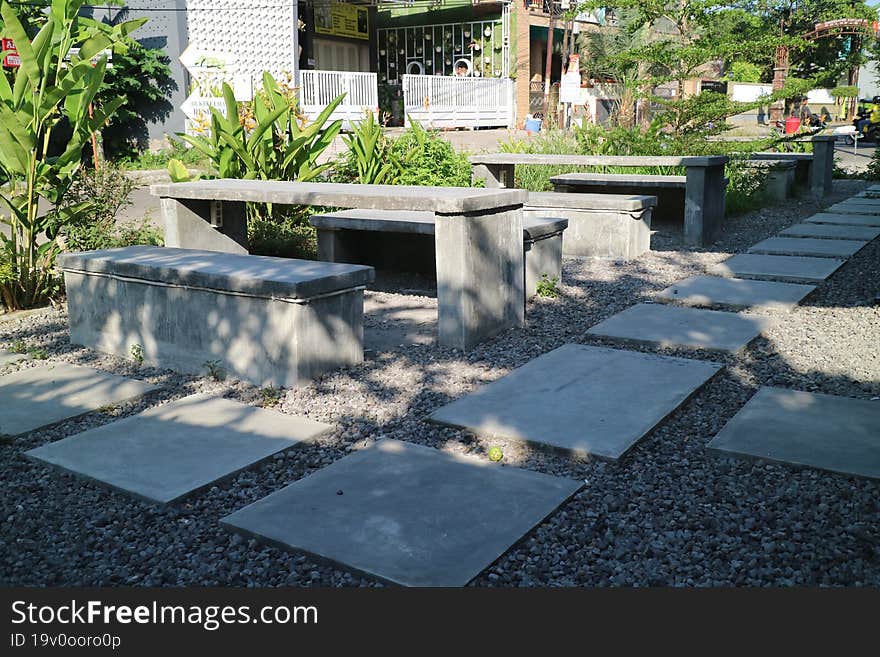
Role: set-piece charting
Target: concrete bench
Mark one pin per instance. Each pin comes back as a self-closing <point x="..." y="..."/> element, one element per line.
<point x="404" y="241"/>
<point x="599" y="225"/>
<point x="702" y="203"/>
<point x="270" y="321"/>
<point x="779" y="179"/>
<point x="478" y="238"/>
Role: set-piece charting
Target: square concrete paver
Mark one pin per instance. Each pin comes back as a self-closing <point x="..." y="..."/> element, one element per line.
<point x="408" y="514"/>
<point x="173" y="450"/>
<point x="832" y="231"/>
<point x="736" y="292"/>
<point x="839" y="434"/>
<point x="7" y="358"/>
<point x="587" y="400"/>
<point x="39" y="396"/>
<point x="800" y="269"/>
<point x="854" y="208"/>
<point x="672" y="326"/>
<point x="844" y="219"/>
<point x="805" y="246"/>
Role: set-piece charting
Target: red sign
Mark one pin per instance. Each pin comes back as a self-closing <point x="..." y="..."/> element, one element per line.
<point x="12" y="60"/>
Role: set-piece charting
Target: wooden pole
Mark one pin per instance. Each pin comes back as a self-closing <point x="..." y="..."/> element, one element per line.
<point x="548" y="66"/>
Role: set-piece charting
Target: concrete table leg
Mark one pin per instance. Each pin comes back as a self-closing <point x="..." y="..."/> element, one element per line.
<point x="704" y="205"/>
<point x="333" y="246"/>
<point x="495" y="175"/>
<point x="821" y="173"/>
<point x="208" y="225"/>
<point x="480" y="275"/>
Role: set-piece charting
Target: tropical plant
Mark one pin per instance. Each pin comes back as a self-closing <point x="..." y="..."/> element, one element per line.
<point x="265" y="140"/>
<point x="52" y="85"/>
<point x="369" y="153"/>
<point x="428" y="159"/>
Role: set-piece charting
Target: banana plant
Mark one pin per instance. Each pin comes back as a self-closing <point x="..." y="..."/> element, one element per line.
<point x="51" y="85"/>
<point x="268" y="141"/>
<point x="375" y="163"/>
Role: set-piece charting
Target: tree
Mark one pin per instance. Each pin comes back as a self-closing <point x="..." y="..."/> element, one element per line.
<point x="51" y="85"/>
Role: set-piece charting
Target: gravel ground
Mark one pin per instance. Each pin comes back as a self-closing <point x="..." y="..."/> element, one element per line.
<point x="667" y="514"/>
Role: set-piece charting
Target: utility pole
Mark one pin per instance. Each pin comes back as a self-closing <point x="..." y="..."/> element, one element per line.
<point x="548" y="67"/>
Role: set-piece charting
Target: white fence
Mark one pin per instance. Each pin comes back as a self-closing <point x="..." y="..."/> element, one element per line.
<point x="449" y="102"/>
<point x="320" y="88"/>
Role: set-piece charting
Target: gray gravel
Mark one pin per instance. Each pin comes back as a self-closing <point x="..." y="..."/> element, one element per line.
<point x="668" y="514"/>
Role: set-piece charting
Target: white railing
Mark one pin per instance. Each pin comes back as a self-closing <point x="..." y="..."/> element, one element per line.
<point x="450" y="102"/>
<point x="320" y="88"/>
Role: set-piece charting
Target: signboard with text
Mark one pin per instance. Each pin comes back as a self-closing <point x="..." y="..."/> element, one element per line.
<point x="342" y="20"/>
<point x="11" y="60"/>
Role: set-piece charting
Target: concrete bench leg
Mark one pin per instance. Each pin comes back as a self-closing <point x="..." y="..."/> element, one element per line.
<point x="704" y="204"/>
<point x="480" y="275"/>
<point x="495" y="175"/>
<point x="822" y="171"/>
<point x="191" y="224"/>
<point x="333" y="246"/>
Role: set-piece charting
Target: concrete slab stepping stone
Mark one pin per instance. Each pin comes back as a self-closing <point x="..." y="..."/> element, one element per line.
<point x="839" y="434"/>
<point x="582" y="399"/>
<point x="736" y="292"/>
<point x="673" y="326"/>
<point x="176" y="449"/>
<point x="40" y="396"/>
<point x="853" y="208"/>
<point x="832" y="231"/>
<point x="800" y="269"/>
<point x="844" y="219"/>
<point x="7" y="358"/>
<point x="808" y="247"/>
<point x="408" y="514"/>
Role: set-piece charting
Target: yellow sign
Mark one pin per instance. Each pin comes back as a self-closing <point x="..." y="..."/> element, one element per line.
<point x="342" y="20"/>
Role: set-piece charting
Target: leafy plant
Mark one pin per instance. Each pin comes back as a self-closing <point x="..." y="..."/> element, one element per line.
<point x="286" y="235"/>
<point x="107" y="190"/>
<point x="741" y="71"/>
<point x="547" y="287"/>
<point x="38" y="353"/>
<point x="428" y="159"/>
<point x="45" y="91"/>
<point x="264" y="140"/>
<point x="215" y="370"/>
<point x="369" y="153"/>
<point x="270" y="396"/>
<point x="137" y="353"/>
<point x="19" y="347"/>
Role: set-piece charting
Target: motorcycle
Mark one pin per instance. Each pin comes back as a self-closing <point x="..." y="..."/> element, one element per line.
<point x="866" y="130"/>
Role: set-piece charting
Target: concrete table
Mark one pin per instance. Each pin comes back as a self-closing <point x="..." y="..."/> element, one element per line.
<point x="704" y="183"/>
<point x="478" y="238"/>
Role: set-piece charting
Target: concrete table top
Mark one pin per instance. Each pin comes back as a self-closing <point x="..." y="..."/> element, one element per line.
<point x="800" y="269"/>
<point x="844" y="219"/>
<point x="448" y="200"/>
<point x="673" y="326"/>
<point x="601" y="179"/>
<point x="832" y="231"/>
<point x="7" y="358"/>
<point x="405" y="513"/>
<point x="173" y="450"/>
<point x="246" y="274"/>
<point x="599" y="160"/>
<point x="40" y="396"/>
<point x="736" y="293"/>
<point x="839" y="434"/>
<point x="805" y="246"/>
<point x="581" y="399"/>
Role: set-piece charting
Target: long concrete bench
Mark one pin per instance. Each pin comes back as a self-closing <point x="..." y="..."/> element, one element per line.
<point x="803" y="163"/>
<point x="404" y="241"/>
<point x="702" y="205"/>
<point x="599" y="225"/>
<point x="270" y="321"/>
<point x="779" y="178"/>
<point x="478" y="238"/>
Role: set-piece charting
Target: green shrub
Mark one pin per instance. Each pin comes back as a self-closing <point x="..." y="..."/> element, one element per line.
<point x="369" y="160"/>
<point x="873" y="170"/>
<point x="745" y="183"/>
<point x="428" y="159"/>
<point x="108" y="191"/>
<point x="287" y="235"/>
<point x="745" y="72"/>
